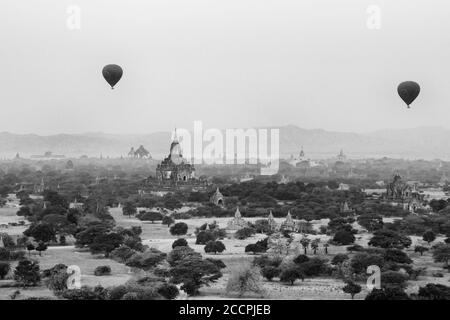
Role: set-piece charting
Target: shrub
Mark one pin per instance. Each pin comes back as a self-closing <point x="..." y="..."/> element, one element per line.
<point x="290" y="274"/>
<point x="339" y="258"/>
<point x="179" y="243"/>
<point x="4" y="269"/>
<point x="244" y="233"/>
<point x="270" y="272"/>
<point x="203" y="237"/>
<point x="102" y="271"/>
<point x="168" y="291"/>
<point x="245" y="279"/>
<point x="179" y="229"/>
<point x="215" y="247"/>
<point x="344" y="237"/>
<point x="301" y="258"/>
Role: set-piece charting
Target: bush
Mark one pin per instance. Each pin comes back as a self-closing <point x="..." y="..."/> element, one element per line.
<point x="246" y="279"/>
<point x="244" y="233"/>
<point x="150" y="216"/>
<point x="168" y="291"/>
<point x="270" y="272"/>
<point x="343" y="237"/>
<point x="203" y="237"/>
<point x="179" y="229"/>
<point x="434" y="292"/>
<point x="27" y="273"/>
<point x="4" y="269"/>
<point x="179" y="243"/>
<point x="102" y="271"/>
<point x="215" y="247"/>
<point x="122" y="253"/>
<point x="146" y="260"/>
<point x="290" y="274"/>
<point x="301" y="258"/>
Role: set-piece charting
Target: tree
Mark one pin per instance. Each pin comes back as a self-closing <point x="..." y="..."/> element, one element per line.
<point x="262" y="226"/>
<point x="179" y="243"/>
<point x="179" y="229"/>
<point x="87" y="236"/>
<point x="344" y="237"/>
<point x="393" y="279"/>
<point x="434" y="292"/>
<point x="214" y="246"/>
<point x="168" y="220"/>
<point x="245" y="279"/>
<point x="193" y="272"/>
<point x="420" y="249"/>
<point x="30" y="247"/>
<point x="244" y="233"/>
<point x="315" y="245"/>
<point x="27" y="273"/>
<point x="106" y="243"/>
<point x="203" y="237"/>
<point x="290" y="274"/>
<point x="385" y="238"/>
<point x="41" y="232"/>
<point x="180" y="253"/>
<point x="352" y="288"/>
<point x="339" y="258"/>
<point x="4" y="269"/>
<point x="384" y="294"/>
<point x="150" y="216"/>
<point x="42" y="246"/>
<point x="147" y="259"/>
<point x="129" y="209"/>
<point x="301" y="258"/>
<point x="397" y="256"/>
<point x="429" y="236"/>
<point x="362" y="260"/>
<point x="441" y="253"/>
<point x="371" y="221"/>
<point x="305" y="243"/>
<point x="270" y="272"/>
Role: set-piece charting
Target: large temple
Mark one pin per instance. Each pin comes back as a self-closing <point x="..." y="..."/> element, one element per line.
<point x="174" y="169"/>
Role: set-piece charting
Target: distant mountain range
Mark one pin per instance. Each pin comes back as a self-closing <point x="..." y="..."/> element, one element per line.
<point x="416" y="143"/>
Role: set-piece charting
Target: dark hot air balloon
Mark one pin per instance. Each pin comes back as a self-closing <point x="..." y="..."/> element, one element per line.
<point x="408" y="91"/>
<point x="112" y="74"/>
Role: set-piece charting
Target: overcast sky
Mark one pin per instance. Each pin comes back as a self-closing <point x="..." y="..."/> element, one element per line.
<point x="228" y="63"/>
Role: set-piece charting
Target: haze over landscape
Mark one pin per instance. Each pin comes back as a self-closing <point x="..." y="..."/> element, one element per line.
<point x="417" y="143"/>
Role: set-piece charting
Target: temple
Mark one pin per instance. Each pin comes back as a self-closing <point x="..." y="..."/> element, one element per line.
<point x="341" y="156"/>
<point x="217" y="198"/>
<point x="400" y="193"/>
<point x="238" y="222"/>
<point x="174" y="169"/>
<point x="140" y="153"/>
<point x="289" y="224"/>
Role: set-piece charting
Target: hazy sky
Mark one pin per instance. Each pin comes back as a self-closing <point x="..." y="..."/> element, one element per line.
<point x="229" y="63"/>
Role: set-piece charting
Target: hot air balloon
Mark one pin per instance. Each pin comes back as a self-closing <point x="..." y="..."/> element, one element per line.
<point x="112" y="74"/>
<point x="408" y="91"/>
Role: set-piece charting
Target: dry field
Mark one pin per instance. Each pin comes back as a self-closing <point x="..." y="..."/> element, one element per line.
<point x="158" y="236"/>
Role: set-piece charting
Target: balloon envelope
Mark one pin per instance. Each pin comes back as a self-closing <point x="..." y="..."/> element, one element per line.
<point x="112" y="74"/>
<point x="408" y="91"/>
